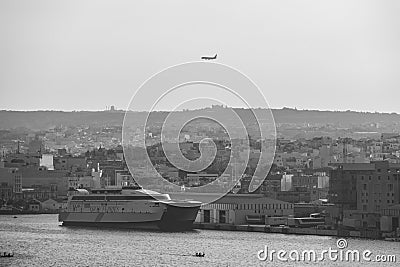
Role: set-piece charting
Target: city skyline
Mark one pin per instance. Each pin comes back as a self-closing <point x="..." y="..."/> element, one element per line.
<point x="118" y="109"/>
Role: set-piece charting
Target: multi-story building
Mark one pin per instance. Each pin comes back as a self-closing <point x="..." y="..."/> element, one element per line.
<point x="296" y="195"/>
<point x="308" y="181"/>
<point x="365" y="189"/>
<point x="10" y="183"/>
<point x="39" y="192"/>
<point x="124" y="178"/>
<point x="52" y="180"/>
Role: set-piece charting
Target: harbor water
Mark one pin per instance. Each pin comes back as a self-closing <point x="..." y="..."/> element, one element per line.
<point x="39" y="240"/>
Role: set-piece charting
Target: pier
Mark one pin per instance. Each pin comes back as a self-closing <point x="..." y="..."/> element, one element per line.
<point x="289" y="230"/>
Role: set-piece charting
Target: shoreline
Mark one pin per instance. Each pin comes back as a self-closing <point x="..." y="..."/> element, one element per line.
<point x="364" y="234"/>
<point x="27" y="213"/>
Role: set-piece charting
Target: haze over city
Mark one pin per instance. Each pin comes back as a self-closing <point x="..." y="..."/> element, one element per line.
<point x="76" y="55"/>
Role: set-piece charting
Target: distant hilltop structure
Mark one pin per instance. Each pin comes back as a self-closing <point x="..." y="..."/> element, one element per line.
<point x="369" y="122"/>
<point x="111" y="108"/>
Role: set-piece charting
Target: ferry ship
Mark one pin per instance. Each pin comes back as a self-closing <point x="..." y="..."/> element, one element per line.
<point x="128" y="207"/>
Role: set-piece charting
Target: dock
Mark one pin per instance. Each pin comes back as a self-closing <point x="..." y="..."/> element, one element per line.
<point x="288" y="230"/>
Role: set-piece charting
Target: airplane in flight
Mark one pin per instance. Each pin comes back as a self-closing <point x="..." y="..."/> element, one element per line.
<point x="209" y="58"/>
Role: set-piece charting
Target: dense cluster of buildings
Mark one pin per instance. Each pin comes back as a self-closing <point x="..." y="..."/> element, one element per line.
<point x="352" y="183"/>
<point x="39" y="175"/>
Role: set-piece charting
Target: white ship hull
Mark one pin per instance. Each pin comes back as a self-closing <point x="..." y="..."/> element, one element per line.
<point x="141" y="214"/>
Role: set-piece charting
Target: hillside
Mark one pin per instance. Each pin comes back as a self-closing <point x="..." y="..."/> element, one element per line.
<point x="39" y="120"/>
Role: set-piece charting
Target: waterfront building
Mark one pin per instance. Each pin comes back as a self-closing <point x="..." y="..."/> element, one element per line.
<point x="305" y="209"/>
<point x="366" y="189"/>
<point x="239" y="209"/>
<point x="358" y="219"/>
<point x="34" y="205"/>
<point x="52" y="180"/>
<point x="39" y="192"/>
<point x="53" y="205"/>
<point x="296" y="195"/>
<point x="87" y="182"/>
<point x="10" y="184"/>
<point x="390" y="220"/>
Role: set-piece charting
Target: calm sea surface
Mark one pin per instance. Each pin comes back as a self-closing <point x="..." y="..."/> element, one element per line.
<point x="38" y="240"/>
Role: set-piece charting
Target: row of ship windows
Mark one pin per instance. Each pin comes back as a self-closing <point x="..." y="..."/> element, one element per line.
<point x="92" y="210"/>
<point x="263" y="206"/>
<point x="102" y="205"/>
<point x="107" y="198"/>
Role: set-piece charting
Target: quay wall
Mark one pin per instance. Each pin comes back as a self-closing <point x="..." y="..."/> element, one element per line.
<point x="288" y="230"/>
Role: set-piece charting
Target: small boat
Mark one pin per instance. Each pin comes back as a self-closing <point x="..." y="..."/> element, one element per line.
<point x="199" y="254"/>
<point x="6" y="255"/>
<point x="9" y="210"/>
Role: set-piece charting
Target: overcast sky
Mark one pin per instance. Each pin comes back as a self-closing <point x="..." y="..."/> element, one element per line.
<point x="86" y="55"/>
